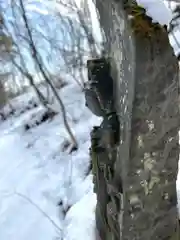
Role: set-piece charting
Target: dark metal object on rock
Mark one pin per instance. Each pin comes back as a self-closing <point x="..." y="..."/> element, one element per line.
<point x="99" y="89"/>
<point x="104" y="141"/>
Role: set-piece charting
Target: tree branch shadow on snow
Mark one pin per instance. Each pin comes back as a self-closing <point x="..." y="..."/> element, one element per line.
<point x="40" y="210"/>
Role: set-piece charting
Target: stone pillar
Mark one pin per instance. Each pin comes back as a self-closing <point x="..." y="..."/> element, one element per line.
<point x="146" y="89"/>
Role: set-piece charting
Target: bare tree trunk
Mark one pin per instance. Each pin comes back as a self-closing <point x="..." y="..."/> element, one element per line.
<point x="39" y="94"/>
<point x="3" y="95"/>
<point x="39" y="64"/>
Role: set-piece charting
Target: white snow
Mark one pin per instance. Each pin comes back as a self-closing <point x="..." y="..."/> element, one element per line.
<point x="174" y="40"/>
<point x="157" y="10"/>
<point x="38" y="10"/>
<point x="35" y="175"/>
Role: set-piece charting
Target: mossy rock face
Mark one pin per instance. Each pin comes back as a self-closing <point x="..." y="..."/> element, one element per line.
<point x="176" y="235"/>
<point x="145" y="73"/>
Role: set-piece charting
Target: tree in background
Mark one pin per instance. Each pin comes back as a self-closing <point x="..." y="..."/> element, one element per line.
<point x="68" y="56"/>
<point x="5" y="49"/>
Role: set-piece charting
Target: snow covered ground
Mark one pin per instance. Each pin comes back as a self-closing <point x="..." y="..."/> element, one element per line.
<point x="46" y="193"/>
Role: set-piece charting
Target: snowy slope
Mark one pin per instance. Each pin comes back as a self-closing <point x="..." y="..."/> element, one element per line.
<point x="46" y="193"/>
<point x="35" y="173"/>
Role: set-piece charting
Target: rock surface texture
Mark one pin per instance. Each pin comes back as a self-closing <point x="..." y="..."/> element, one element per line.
<point x="140" y="203"/>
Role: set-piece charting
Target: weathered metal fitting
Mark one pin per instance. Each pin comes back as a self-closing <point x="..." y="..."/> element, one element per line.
<point x="112" y="210"/>
<point x="114" y="189"/>
<point x="95" y="184"/>
<point x="110" y="130"/>
<point x="96" y="133"/>
<point x="135" y="202"/>
<point x="99" y="89"/>
<point x="92" y="101"/>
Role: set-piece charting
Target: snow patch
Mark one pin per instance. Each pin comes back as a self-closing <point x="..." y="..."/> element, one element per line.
<point x="157" y="10"/>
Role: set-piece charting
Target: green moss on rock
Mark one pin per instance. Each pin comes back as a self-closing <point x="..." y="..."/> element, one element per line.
<point x="142" y="24"/>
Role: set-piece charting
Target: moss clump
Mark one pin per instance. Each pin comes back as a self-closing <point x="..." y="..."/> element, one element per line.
<point x="142" y="24"/>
